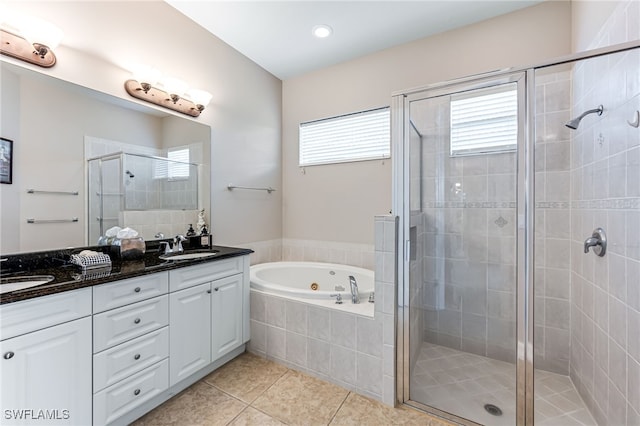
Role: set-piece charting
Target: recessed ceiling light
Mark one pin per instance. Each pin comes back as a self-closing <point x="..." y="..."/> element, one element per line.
<point x="322" y="31"/>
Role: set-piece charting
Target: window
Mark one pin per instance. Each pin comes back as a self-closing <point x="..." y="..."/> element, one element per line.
<point x="355" y="137"/>
<point x="171" y="170"/>
<point x="484" y="121"/>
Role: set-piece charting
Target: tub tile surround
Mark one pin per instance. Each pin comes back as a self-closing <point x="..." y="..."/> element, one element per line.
<point x="354" y="351"/>
<point x="297" y="250"/>
<point x="605" y="172"/>
<point x="252" y="390"/>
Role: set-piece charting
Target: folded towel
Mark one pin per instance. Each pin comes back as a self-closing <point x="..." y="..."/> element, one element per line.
<point x="112" y="232"/>
<point x="127" y="233"/>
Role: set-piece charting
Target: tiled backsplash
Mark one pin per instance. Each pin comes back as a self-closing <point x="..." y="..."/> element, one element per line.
<point x="170" y="222"/>
<point x="360" y="255"/>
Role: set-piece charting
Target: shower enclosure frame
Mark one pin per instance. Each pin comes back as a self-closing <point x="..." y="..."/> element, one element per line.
<point x="525" y="208"/>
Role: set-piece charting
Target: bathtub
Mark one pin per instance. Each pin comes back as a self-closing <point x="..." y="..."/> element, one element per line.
<point x="314" y="282"/>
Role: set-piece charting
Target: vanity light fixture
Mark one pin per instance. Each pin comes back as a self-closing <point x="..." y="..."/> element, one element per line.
<point x="322" y="31"/>
<point x="173" y="93"/>
<point x="30" y="39"/>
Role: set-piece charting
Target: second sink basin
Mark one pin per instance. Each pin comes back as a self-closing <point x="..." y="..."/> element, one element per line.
<point x="20" y="283"/>
<point x="189" y="255"/>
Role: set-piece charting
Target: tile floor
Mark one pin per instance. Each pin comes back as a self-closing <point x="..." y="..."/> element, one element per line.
<point x="251" y="390"/>
<point x="462" y="383"/>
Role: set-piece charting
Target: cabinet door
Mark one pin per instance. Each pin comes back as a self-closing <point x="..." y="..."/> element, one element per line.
<point x="189" y="331"/>
<point x="46" y="376"/>
<point x="226" y="315"/>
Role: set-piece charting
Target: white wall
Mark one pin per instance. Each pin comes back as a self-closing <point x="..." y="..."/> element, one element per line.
<point x="338" y="202"/>
<point x="587" y="18"/>
<point x="9" y="194"/>
<point x="244" y="115"/>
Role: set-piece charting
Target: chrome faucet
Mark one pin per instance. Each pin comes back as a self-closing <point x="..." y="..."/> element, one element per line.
<point x="355" y="297"/>
<point x="167" y="247"/>
<point x="177" y="243"/>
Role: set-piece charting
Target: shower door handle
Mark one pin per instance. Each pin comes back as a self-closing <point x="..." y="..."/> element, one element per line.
<point x="597" y="240"/>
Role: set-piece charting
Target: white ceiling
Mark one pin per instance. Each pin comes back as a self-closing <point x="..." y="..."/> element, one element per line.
<point x="277" y="34"/>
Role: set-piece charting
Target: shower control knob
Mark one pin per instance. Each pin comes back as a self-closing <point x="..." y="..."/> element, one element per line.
<point x="597" y="240"/>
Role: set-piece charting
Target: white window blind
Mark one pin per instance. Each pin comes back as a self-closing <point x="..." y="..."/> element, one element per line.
<point x="171" y="170"/>
<point x="484" y="121"/>
<point x="355" y="137"/>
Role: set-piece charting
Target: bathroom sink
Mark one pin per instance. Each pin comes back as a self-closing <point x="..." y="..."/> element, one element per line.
<point x="20" y="283"/>
<point x="189" y="255"/>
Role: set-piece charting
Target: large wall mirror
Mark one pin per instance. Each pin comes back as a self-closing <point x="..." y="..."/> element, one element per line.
<point x="57" y="128"/>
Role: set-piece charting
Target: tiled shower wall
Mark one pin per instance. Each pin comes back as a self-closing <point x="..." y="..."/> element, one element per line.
<point x="469" y="228"/>
<point x="468" y="236"/>
<point x="148" y="222"/>
<point x="605" y="177"/>
<point x="146" y="192"/>
<point x="552" y="221"/>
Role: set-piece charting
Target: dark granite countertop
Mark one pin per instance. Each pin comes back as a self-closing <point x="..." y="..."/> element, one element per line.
<point x="68" y="276"/>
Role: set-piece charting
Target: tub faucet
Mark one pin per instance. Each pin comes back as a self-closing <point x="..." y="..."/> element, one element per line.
<point x="355" y="297"/>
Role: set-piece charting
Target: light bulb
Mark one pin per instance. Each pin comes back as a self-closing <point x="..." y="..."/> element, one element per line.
<point x="39" y="31"/>
<point x="200" y="97"/>
<point x="146" y="74"/>
<point x="322" y="31"/>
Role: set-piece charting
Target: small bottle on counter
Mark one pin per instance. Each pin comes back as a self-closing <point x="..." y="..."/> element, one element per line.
<point x="205" y="237"/>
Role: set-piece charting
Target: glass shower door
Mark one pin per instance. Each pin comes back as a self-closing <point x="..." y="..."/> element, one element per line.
<point x="105" y="195"/>
<point x="461" y="226"/>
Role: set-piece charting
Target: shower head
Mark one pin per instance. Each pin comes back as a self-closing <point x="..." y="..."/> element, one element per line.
<point x="573" y="124"/>
<point x="131" y="175"/>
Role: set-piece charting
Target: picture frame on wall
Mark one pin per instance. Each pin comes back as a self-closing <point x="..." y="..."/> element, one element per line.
<point x="6" y="160"/>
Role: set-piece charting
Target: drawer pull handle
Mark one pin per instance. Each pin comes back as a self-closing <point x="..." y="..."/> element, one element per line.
<point x="137" y="289"/>
<point x="209" y="291"/>
<point x="136" y="356"/>
<point x="137" y="320"/>
<point x="136" y="392"/>
<point x="8" y="355"/>
<point x="217" y="288"/>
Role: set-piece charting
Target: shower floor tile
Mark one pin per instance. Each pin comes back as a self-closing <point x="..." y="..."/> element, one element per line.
<point x="462" y="383"/>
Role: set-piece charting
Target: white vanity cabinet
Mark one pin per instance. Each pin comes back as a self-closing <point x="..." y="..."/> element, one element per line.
<point x="130" y="344"/>
<point x="108" y="354"/>
<point x="227" y="315"/>
<point x="190" y="331"/>
<point x="209" y="314"/>
<point x="46" y="360"/>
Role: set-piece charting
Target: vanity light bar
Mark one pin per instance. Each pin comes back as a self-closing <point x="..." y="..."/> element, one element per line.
<point x="161" y="98"/>
<point x="19" y="48"/>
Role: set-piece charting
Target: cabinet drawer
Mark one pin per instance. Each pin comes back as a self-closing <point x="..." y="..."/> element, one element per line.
<point x="199" y="274"/>
<point x="120" y="293"/>
<point x="120" y="362"/>
<point x="114" y="401"/>
<point x="41" y="312"/>
<point x="119" y="325"/>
